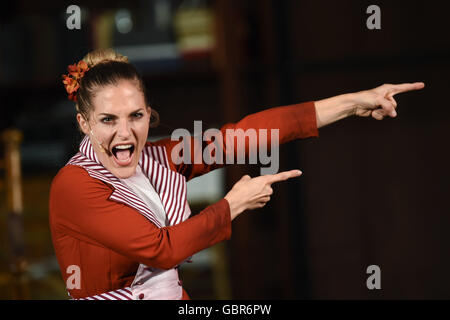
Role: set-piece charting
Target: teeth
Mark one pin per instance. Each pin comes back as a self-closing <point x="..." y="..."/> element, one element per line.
<point x="124" y="146"/>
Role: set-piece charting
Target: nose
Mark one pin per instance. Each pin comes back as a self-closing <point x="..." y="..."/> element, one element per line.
<point x="124" y="130"/>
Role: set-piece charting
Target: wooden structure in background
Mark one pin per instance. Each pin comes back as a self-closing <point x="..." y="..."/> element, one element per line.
<point x="11" y="164"/>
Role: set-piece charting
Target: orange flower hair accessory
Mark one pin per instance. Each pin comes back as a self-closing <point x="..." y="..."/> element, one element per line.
<point x="72" y="80"/>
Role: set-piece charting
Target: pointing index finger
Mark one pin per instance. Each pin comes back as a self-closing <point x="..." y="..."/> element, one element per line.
<point x="404" y="87"/>
<point x="281" y="176"/>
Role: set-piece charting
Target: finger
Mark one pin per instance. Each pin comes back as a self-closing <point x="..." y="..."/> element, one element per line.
<point x="264" y="199"/>
<point x="260" y="204"/>
<point x="387" y="106"/>
<point x="378" y="114"/>
<point x="281" y="176"/>
<point x="405" y="87"/>
<point x="392" y="100"/>
<point x="257" y="205"/>
<point x="245" y="178"/>
<point x="268" y="190"/>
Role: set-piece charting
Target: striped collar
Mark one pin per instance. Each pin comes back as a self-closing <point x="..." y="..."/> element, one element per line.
<point x="170" y="185"/>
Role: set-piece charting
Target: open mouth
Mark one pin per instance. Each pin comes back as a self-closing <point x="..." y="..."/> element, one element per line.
<point x="123" y="154"/>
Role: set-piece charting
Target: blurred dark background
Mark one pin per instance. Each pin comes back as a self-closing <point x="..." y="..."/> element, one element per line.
<point x="371" y="193"/>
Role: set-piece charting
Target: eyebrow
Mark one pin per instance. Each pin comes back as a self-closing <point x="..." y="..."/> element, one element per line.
<point x="114" y="116"/>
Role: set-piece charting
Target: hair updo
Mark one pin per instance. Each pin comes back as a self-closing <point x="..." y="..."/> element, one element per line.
<point x="107" y="67"/>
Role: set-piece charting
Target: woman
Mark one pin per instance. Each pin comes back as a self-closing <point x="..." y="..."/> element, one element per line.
<point x="118" y="210"/>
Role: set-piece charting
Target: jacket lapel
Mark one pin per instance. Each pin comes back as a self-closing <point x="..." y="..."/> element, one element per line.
<point x="169" y="184"/>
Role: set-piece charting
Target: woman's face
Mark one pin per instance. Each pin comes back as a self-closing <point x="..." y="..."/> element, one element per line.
<point x="118" y="127"/>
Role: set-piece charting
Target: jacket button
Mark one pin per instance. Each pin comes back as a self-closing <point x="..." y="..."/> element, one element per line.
<point x="141" y="296"/>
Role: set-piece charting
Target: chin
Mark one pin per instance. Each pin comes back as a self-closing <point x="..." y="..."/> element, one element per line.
<point x="123" y="173"/>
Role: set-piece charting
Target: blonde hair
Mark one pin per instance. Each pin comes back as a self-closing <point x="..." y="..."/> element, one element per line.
<point x="103" y="55"/>
<point x="107" y="67"/>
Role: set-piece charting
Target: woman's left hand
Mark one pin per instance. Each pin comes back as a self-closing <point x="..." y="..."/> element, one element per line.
<point x="379" y="102"/>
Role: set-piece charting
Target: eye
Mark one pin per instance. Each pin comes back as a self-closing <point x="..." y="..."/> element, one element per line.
<point x="137" y="115"/>
<point x="106" y="120"/>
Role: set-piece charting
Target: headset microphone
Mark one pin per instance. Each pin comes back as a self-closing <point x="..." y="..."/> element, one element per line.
<point x="102" y="148"/>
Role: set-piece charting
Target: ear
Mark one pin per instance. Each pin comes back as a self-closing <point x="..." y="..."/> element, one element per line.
<point x="154" y="117"/>
<point x="82" y="122"/>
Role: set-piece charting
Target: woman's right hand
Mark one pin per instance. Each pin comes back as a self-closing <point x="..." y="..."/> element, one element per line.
<point x="252" y="193"/>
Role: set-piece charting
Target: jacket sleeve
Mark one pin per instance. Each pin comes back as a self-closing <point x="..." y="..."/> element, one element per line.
<point x="293" y="122"/>
<point x="80" y="207"/>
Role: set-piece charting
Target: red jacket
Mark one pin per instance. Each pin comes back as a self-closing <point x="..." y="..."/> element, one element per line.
<point x="108" y="239"/>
